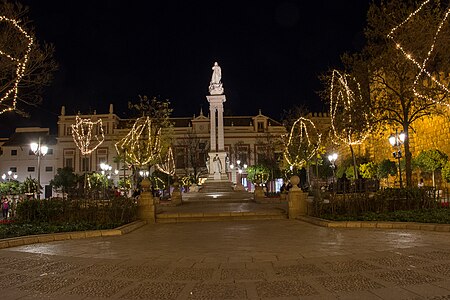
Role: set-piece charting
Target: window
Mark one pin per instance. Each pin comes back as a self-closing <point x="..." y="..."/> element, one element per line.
<point x="69" y="158"/>
<point x="260" y="126"/>
<point x="85" y="164"/>
<point x="180" y="158"/>
<point x="13" y="169"/>
<point x="50" y="151"/>
<point x="30" y="169"/>
<point x="243" y="154"/>
<point x="68" y="162"/>
<point x="69" y="130"/>
<point x="48" y="169"/>
<point x="14" y="152"/>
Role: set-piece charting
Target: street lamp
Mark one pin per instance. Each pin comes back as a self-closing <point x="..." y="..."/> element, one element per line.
<point x="144" y="173"/>
<point x="396" y="140"/>
<point x="239" y="168"/>
<point x="332" y="158"/>
<point x="39" y="150"/>
<point x="10" y="175"/>
<point x="105" y="167"/>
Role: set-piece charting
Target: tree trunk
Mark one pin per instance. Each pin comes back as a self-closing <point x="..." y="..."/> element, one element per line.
<point x="432" y="174"/>
<point x="355" y="171"/>
<point x="408" y="159"/>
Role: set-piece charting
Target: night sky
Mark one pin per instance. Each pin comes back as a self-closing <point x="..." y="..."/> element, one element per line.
<point x="112" y="51"/>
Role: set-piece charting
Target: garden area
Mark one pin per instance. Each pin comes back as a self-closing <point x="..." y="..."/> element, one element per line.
<point x="78" y="209"/>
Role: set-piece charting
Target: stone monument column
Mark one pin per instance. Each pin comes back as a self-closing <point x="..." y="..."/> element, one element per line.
<point x="217" y="152"/>
<point x="220" y="137"/>
<point x="212" y="117"/>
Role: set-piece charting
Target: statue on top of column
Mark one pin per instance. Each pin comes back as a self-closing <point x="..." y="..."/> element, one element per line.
<point x="215" y="86"/>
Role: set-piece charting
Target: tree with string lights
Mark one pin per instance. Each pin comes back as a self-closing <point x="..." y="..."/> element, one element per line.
<point x="393" y="76"/>
<point x="26" y="66"/>
<point x="349" y="112"/>
<point x="301" y="144"/>
<point x="150" y="133"/>
<point x="404" y="67"/>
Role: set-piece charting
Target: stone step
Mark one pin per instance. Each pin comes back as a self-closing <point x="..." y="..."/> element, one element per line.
<point x="218" y="197"/>
<point x="216" y="217"/>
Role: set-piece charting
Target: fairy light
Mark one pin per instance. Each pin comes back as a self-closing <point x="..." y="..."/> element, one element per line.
<point x="168" y="166"/>
<point x="422" y="65"/>
<point x="300" y="146"/>
<point x="21" y="64"/>
<point x="141" y="144"/>
<point x="342" y="99"/>
<point x="84" y="135"/>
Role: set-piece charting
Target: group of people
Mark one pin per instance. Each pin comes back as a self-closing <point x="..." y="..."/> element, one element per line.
<point x="5" y="207"/>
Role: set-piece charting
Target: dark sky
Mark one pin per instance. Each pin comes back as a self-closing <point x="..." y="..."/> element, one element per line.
<point x="111" y="51"/>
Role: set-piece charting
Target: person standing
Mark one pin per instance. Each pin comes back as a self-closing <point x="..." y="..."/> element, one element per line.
<point x="5" y="208"/>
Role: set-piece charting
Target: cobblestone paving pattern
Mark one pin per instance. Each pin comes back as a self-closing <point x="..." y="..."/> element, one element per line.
<point x="279" y="259"/>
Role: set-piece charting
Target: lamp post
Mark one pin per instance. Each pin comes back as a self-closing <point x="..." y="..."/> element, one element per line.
<point x="105" y="168"/>
<point x="332" y="158"/>
<point x="396" y="140"/>
<point x="144" y="173"/>
<point x="238" y="168"/>
<point x="10" y="175"/>
<point x="39" y="150"/>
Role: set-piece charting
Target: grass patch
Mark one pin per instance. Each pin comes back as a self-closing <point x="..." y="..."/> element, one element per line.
<point x="16" y="229"/>
<point x="434" y="215"/>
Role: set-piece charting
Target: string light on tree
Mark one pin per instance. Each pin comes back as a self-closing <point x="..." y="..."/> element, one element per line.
<point x="87" y="135"/>
<point x="422" y="66"/>
<point x="21" y="64"/>
<point x="168" y="166"/>
<point x="345" y="95"/>
<point x="142" y="145"/>
<point x="302" y="142"/>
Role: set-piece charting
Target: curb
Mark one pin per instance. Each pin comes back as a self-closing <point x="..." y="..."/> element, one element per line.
<point x="73" y="235"/>
<point x="376" y="224"/>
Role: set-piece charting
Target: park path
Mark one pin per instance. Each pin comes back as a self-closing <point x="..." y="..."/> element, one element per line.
<point x="276" y="259"/>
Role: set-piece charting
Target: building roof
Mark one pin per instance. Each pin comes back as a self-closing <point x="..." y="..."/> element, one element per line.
<point x="25" y="138"/>
<point x="187" y="121"/>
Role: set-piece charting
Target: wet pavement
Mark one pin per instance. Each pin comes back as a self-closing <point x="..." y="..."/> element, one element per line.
<point x="276" y="259"/>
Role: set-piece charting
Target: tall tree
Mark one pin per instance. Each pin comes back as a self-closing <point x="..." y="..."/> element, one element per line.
<point x="393" y="75"/>
<point x="26" y="66"/>
<point x="64" y="180"/>
<point x="149" y="136"/>
<point x="430" y="161"/>
<point x="196" y="153"/>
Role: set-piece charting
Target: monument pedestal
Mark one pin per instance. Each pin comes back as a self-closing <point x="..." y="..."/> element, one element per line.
<point x="214" y="176"/>
<point x="296" y="199"/>
<point x="259" y="192"/>
<point x="146" y="206"/>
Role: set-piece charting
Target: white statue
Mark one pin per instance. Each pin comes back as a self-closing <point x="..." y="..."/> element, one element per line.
<point x="217" y="74"/>
<point x="215" y="86"/>
<point x="217" y="164"/>
<point x="207" y="164"/>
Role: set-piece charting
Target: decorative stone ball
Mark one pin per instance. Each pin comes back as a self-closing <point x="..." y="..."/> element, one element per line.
<point x="145" y="184"/>
<point x="295" y="180"/>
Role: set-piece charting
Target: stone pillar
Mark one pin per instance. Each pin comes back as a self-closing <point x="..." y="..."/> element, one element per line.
<point x="259" y="192"/>
<point x="212" y="120"/>
<point x="220" y="135"/>
<point x="176" y="197"/>
<point x="146" y="207"/>
<point x="296" y="199"/>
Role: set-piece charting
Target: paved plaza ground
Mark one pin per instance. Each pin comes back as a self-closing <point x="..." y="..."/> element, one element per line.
<point x="267" y="259"/>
